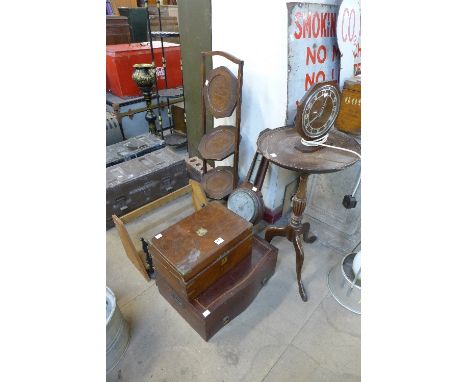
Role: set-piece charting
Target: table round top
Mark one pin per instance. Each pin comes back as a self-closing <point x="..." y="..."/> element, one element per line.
<point x="279" y="147"/>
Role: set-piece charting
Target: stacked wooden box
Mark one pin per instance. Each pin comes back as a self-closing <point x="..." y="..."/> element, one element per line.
<point x="210" y="267"/>
<point x="349" y="117"/>
<point x="169" y="23"/>
<point x="117" y="30"/>
<point x="122" y="3"/>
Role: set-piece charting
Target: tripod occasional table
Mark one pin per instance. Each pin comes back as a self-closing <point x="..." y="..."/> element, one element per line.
<point x="282" y="146"/>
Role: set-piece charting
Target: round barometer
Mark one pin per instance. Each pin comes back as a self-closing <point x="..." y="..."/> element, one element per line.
<point x="246" y="202"/>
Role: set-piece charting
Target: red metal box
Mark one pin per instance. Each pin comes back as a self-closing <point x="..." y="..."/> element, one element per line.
<point x="120" y="59"/>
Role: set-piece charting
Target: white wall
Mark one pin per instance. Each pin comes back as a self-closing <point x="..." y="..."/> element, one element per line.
<point x="256" y="31"/>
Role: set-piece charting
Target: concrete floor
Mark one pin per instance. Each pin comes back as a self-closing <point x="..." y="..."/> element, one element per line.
<point x="278" y="337"/>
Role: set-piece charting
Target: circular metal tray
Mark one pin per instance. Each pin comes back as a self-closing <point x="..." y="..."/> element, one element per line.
<point x="219" y="143"/>
<point x="176" y="140"/>
<point x="218" y="183"/>
<point x="220" y="92"/>
<point x="279" y="146"/>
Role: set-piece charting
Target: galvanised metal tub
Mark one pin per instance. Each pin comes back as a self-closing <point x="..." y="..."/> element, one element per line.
<point x="117" y="332"/>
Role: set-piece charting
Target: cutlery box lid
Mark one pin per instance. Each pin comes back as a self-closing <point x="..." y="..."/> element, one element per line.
<point x="199" y="240"/>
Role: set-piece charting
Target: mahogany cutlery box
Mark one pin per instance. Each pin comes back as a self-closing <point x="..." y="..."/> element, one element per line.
<point x="229" y="296"/>
<point x="195" y="252"/>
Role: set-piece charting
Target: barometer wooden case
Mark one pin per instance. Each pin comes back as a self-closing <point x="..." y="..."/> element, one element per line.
<point x="247" y="202"/>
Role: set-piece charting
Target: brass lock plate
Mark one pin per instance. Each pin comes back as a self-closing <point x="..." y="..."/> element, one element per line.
<point x="202" y="231"/>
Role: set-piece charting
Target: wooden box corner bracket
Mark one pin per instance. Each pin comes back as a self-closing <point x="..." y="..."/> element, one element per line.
<point x="137" y="257"/>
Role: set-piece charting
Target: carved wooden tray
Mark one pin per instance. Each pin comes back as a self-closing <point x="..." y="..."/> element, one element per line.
<point x="219" y="143"/>
<point x="218" y="183"/>
<point x="220" y="92"/>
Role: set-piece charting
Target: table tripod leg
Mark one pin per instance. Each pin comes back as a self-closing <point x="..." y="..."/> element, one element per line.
<point x="271" y="232"/>
<point x="305" y="234"/>
<point x="298" y="206"/>
<point x="299" y="261"/>
<point x="295" y="230"/>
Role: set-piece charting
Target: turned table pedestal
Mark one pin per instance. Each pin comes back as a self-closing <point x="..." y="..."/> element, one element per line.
<point x="282" y="147"/>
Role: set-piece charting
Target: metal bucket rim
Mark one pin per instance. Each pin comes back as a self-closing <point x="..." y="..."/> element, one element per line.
<point x="336" y="297"/>
<point x="344" y="273"/>
<point x="110" y="296"/>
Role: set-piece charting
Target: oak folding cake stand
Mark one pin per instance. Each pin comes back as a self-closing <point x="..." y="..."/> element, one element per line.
<point x="221" y="93"/>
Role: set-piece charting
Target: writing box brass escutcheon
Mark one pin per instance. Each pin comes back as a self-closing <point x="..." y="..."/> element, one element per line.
<point x="202" y="231"/>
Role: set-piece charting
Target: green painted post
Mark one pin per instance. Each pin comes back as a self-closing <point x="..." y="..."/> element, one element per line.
<point x="195" y="37"/>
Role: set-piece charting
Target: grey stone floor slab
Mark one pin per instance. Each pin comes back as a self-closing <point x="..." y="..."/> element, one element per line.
<point x="163" y="347"/>
<point x="332" y="337"/>
<point x="122" y="277"/>
<point x="124" y="280"/>
<point x="296" y="366"/>
<point x="283" y="312"/>
<point x="278" y="337"/>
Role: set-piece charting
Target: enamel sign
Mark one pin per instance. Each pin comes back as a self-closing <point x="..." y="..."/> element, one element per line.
<point x="313" y="53"/>
<point x="348" y="28"/>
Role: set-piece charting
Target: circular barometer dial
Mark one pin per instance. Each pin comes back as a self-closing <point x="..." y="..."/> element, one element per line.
<point x="318" y="110"/>
<point x="245" y="203"/>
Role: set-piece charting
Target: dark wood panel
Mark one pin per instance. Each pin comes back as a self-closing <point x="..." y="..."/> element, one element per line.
<point x="117" y="30"/>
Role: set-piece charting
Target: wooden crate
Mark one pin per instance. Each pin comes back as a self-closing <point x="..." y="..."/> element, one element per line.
<point x="349" y="117"/>
<point x="178" y="119"/>
<point x="137" y="257"/>
<point x="169" y="24"/>
<point x="117" y="30"/>
<point x="122" y="3"/>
